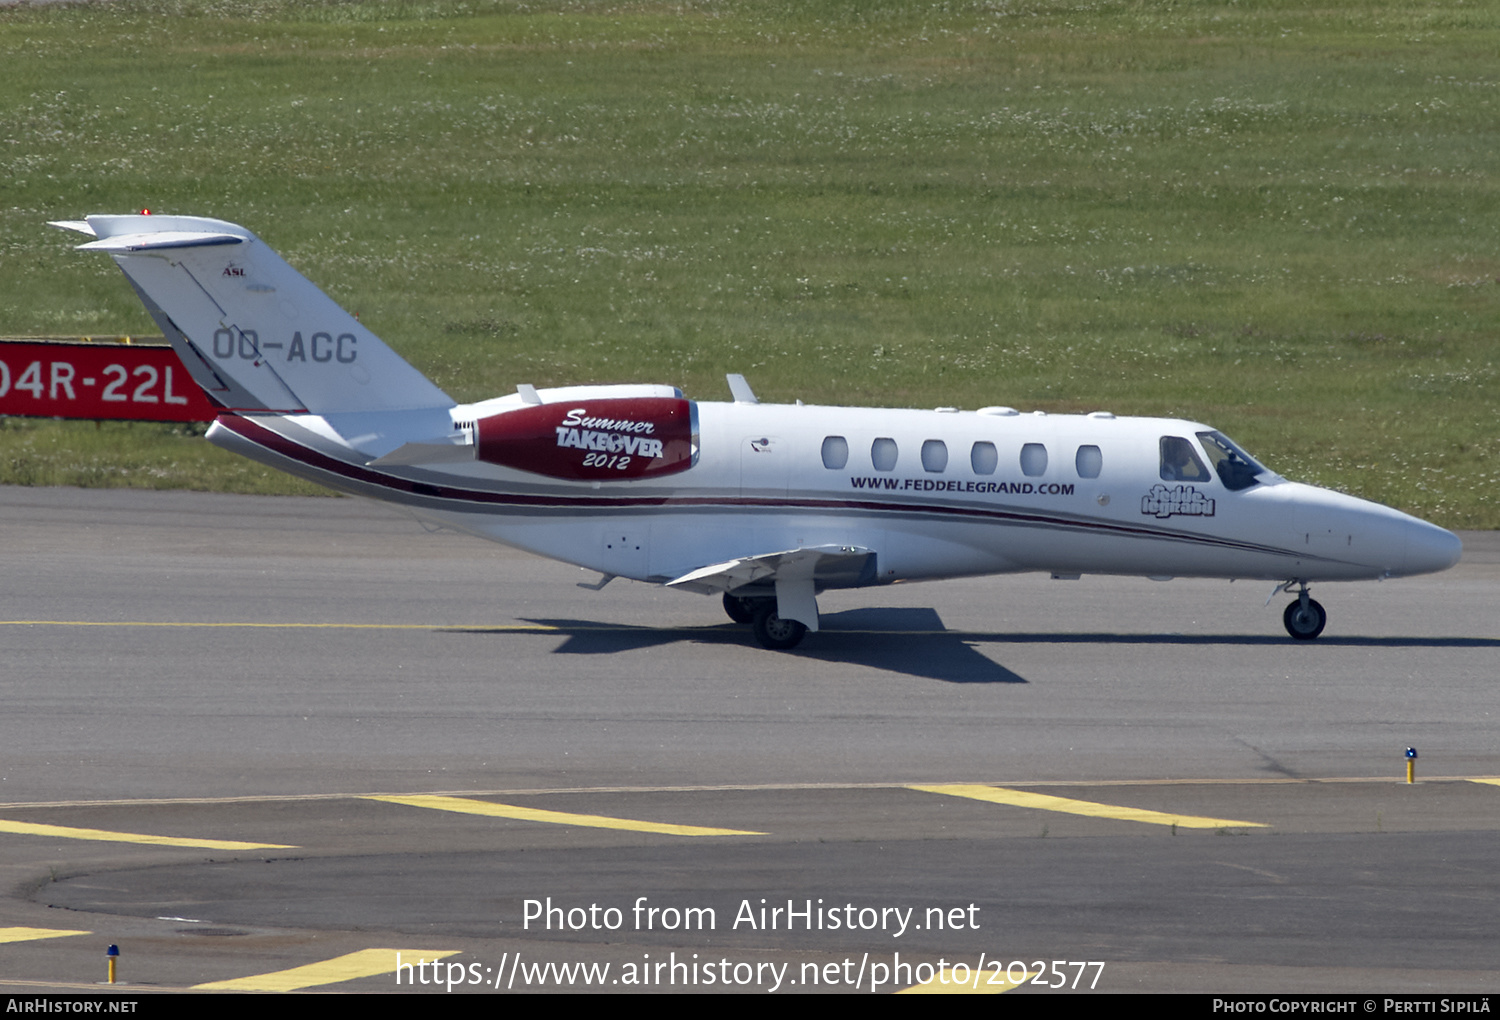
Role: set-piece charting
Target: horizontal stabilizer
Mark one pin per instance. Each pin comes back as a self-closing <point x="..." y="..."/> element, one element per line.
<point x="82" y="226"/>
<point x="164" y="239"/>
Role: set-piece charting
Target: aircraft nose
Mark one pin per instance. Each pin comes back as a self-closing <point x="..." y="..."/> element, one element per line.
<point x="1430" y="548"/>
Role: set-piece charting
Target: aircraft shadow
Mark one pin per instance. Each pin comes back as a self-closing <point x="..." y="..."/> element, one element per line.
<point x="909" y="641"/>
<point x="915" y="642"/>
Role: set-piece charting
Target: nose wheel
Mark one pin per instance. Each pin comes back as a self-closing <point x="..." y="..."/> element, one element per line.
<point x="1304" y="618"/>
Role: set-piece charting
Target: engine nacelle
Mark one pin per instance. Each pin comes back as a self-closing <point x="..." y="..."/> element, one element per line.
<point x="601" y="439"/>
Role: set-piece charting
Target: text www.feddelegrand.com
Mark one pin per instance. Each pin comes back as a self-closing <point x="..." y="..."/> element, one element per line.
<point x="695" y="970"/>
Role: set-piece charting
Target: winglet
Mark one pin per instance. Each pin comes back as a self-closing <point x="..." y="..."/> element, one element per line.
<point x="740" y="389"/>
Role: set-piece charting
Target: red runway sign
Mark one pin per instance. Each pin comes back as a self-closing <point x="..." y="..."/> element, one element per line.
<point x="105" y="380"/>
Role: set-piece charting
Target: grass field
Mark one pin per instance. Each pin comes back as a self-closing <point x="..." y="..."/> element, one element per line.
<point x="1273" y="217"/>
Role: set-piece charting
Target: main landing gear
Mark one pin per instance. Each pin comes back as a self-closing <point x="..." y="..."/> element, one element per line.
<point x="1304" y="618"/>
<point x="740" y="610"/>
<point x="775" y="633"/>
<point x="770" y="629"/>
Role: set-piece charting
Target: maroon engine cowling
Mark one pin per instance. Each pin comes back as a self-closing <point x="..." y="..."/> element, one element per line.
<point x="591" y="440"/>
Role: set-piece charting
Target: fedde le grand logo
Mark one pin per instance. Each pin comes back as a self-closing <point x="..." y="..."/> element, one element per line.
<point x="1182" y="499"/>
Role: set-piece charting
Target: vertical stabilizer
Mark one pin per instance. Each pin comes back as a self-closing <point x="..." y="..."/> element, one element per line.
<point x="251" y="330"/>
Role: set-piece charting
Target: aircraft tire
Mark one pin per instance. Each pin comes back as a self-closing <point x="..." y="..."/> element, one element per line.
<point x="739" y="610"/>
<point x="775" y="633"/>
<point x="1304" y="626"/>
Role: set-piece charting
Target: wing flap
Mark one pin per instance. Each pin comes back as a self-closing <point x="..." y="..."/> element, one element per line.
<point x="827" y="565"/>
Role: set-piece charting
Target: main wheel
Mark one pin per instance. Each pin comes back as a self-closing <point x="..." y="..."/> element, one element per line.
<point x="739" y="610"/>
<point x="775" y="633"/>
<point x="1304" y="624"/>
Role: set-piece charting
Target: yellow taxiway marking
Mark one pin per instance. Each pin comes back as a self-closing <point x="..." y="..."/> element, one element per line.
<point x="28" y="934"/>
<point x="944" y="982"/>
<point x="1046" y="802"/>
<point x="459" y="628"/>
<point x="272" y="626"/>
<point x="464" y="805"/>
<point x="465" y="628"/>
<point x="104" y="835"/>
<point x="365" y="963"/>
<point x="1491" y="782"/>
<point x="309" y="798"/>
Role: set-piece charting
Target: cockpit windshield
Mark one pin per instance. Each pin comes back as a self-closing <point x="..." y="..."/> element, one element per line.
<point x="1235" y="468"/>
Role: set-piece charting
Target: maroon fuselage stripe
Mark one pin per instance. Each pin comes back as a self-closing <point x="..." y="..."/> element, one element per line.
<point x="256" y="433"/>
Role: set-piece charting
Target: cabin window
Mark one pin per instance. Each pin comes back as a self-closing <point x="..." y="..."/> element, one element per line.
<point x="1033" y="460"/>
<point x="983" y="458"/>
<point x="935" y="455"/>
<point x="1089" y="461"/>
<point x="835" y="452"/>
<point x="883" y="454"/>
<point x="1179" y="463"/>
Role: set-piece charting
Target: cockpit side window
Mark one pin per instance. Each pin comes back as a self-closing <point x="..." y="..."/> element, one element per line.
<point x="1179" y="463"/>
<point x="1235" y="468"/>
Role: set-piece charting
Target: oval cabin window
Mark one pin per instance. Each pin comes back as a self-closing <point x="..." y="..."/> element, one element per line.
<point x="835" y="452"/>
<point x="1033" y="460"/>
<point x="934" y="455"/>
<point x="1089" y="462"/>
<point x="984" y="458"/>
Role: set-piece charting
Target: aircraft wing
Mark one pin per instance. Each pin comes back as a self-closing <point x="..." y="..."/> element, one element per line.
<point x="412" y="454"/>
<point x="828" y="566"/>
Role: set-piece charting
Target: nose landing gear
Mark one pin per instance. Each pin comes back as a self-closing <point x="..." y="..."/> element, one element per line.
<point x="1304" y="618"/>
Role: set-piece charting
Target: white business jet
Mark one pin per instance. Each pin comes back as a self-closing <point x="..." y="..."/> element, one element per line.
<point x="766" y="505"/>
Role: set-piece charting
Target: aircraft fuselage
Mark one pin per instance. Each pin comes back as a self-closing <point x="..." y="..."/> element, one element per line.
<point x="911" y="487"/>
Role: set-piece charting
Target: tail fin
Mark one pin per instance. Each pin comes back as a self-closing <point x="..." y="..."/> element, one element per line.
<point x="251" y="330"/>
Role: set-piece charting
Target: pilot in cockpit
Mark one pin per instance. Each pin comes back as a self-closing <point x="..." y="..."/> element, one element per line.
<point x="1179" y="463"/>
